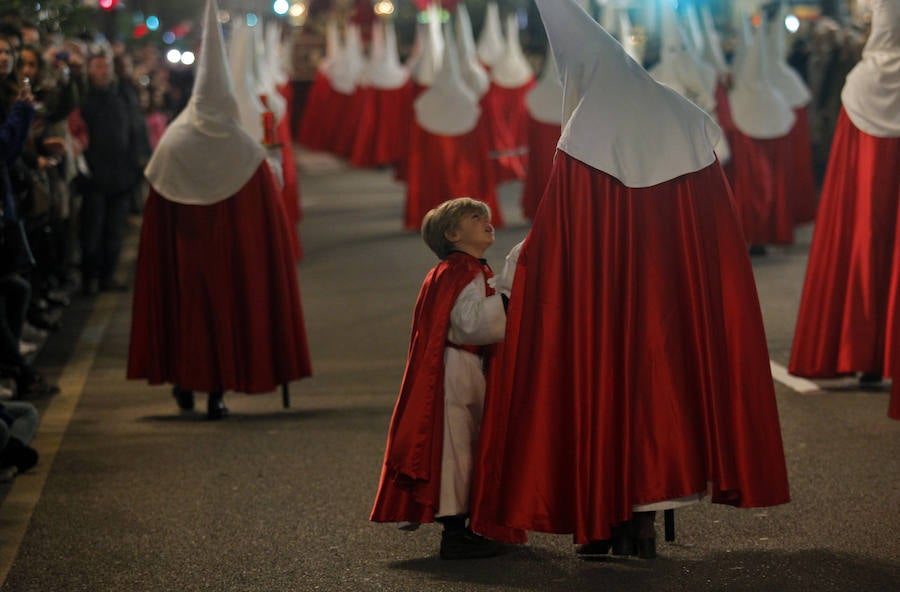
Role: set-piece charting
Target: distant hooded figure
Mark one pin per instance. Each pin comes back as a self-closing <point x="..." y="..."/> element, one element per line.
<point x="447" y="147"/>
<point x="216" y="300"/>
<point x="848" y="320"/>
<point x="634" y="376"/>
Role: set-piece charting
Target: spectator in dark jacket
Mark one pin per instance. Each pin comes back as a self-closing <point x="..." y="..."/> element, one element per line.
<point x="114" y="151"/>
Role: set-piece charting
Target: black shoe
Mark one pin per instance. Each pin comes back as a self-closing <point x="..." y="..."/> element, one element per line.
<point x="465" y="544"/>
<point x="18" y="454"/>
<point x="594" y="548"/>
<point x="184" y="398"/>
<point x="644" y="534"/>
<point x="870" y="379"/>
<point x="30" y="383"/>
<point x="215" y="407"/>
<point x="757" y="250"/>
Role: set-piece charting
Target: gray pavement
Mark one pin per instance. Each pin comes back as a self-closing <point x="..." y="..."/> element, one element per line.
<point x="140" y="498"/>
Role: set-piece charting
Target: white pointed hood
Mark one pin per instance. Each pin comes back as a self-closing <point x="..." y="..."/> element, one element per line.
<point x="204" y="156"/>
<point x="333" y="47"/>
<point x="871" y="94"/>
<point x="696" y="38"/>
<point x="473" y="73"/>
<point x="743" y="39"/>
<point x="242" y="59"/>
<point x="428" y="64"/>
<point x="262" y="70"/>
<point x="784" y="78"/>
<point x="679" y="67"/>
<point x="757" y="108"/>
<point x="274" y="56"/>
<point x="347" y="68"/>
<point x="385" y="71"/>
<point x="449" y="107"/>
<point x="616" y="118"/>
<point x="625" y="38"/>
<point x="512" y="70"/>
<point x="545" y="100"/>
<point x="490" y="42"/>
<point x="712" y="50"/>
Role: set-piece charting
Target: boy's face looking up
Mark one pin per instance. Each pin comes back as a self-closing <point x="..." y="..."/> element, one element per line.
<point x="473" y="235"/>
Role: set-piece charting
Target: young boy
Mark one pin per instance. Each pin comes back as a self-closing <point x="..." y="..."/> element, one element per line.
<point x="434" y="429"/>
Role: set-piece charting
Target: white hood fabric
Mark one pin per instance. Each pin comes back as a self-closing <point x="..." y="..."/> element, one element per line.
<point x="274" y="56"/>
<point x="680" y="68"/>
<point x="512" y="70"/>
<point x="473" y="73"/>
<point x="242" y="60"/>
<point x="757" y="108"/>
<point x="784" y="78"/>
<point x="204" y="156"/>
<point x="712" y="50"/>
<point x="871" y="94"/>
<point x="265" y="78"/>
<point x="385" y="70"/>
<point x="428" y="63"/>
<point x="616" y="118"/>
<point x="448" y="107"/>
<point x="490" y="42"/>
<point x="346" y="69"/>
<point x="545" y="100"/>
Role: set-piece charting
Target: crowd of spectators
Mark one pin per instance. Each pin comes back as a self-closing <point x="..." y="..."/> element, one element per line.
<point x="78" y="120"/>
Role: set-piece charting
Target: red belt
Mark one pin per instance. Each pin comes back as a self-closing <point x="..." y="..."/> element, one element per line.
<point x="478" y="350"/>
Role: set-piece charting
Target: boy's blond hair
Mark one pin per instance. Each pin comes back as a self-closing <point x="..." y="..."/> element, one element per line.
<point x="445" y="218"/>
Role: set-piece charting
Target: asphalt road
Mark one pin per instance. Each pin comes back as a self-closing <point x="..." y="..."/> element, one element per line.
<point x="130" y="495"/>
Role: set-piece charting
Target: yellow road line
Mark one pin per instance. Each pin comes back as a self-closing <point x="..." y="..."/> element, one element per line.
<point x="18" y="506"/>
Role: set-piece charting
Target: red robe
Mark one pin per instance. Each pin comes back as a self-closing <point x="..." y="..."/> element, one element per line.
<point x="383" y="128"/>
<point x="216" y="299"/>
<point x="445" y="167"/>
<point x="409" y="490"/>
<point x="505" y="116"/>
<point x="319" y="115"/>
<point x="634" y="368"/>
<point x="542" y="141"/>
<point x="802" y="176"/>
<point x="853" y="274"/>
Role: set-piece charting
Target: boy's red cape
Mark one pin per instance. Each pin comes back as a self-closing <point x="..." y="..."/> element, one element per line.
<point x="410" y="485"/>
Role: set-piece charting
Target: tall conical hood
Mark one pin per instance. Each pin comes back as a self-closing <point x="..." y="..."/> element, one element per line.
<point x="680" y="68"/>
<point x="265" y="80"/>
<point x="449" y="107"/>
<point x="616" y="117"/>
<point x="871" y="94"/>
<point x="490" y="42"/>
<point x="333" y="47"/>
<point x="757" y="108"/>
<point x="204" y="156"/>
<point x="246" y="84"/>
<point x="427" y="66"/>
<point x="696" y="37"/>
<point x="743" y="40"/>
<point x="387" y="73"/>
<point x="712" y="52"/>
<point x="545" y="100"/>
<point x="512" y="70"/>
<point x="784" y="78"/>
<point x="273" y="54"/>
<point x="473" y="72"/>
<point x="346" y="70"/>
<point x="626" y="39"/>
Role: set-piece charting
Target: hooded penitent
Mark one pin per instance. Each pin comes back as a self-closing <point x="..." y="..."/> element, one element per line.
<point x="205" y="156"/>
<point x="490" y="42"/>
<point x="447" y="154"/>
<point x="849" y="316"/>
<point x="621" y="320"/>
